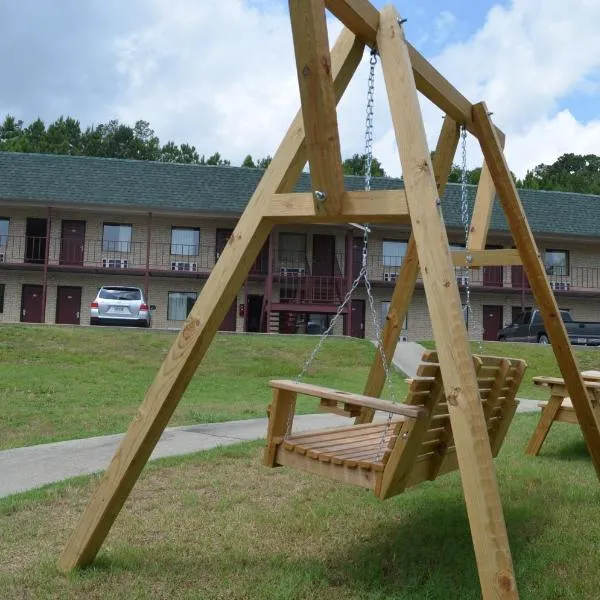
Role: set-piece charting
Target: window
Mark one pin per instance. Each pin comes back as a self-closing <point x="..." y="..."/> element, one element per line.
<point x="180" y="304"/>
<point x="185" y="241"/>
<point x="120" y="293"/>
<point x="456" y="247"/>
<point x="116" y="238"/>
<point x="1" y="297"/>
<point x="393" y="253"/>
<point x="385" y="308"/>
<point x="557" y="262"/>
<point x="3" y="232"/>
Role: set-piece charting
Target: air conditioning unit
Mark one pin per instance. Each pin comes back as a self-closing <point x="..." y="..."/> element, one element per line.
<point x="114" y="263"/>
<point x="292" y="271"/>
<point x="462" y="279"/>
<point x="184" y="266"/>
<point x="560" y="286"/>
<point x="390" y="277"/>
<point x="403" y="338"/>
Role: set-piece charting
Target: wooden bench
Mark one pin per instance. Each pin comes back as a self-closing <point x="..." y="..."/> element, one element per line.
<point x="414" y="444"/>
<point x="559" y="407"/>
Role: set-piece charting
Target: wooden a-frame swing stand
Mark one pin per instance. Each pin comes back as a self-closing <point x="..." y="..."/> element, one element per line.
<point x="313" y="136"/>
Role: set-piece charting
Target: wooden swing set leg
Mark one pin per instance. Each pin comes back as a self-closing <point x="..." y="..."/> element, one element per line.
<point x="474" y="455"/>
<point x="409" y="271"/>
<point x="201" y="326"/>
<point x="532" y="263"/>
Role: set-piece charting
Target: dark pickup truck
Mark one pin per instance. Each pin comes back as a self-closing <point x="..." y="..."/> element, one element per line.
<point x="529" y="327"/>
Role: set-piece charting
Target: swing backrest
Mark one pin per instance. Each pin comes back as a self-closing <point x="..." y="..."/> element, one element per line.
<point x="428" y="448"/>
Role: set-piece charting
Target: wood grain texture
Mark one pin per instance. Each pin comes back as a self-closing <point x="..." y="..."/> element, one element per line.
<point x="487" y="258"/>
<point x="199" y="330"/>
<point x="317" y="97"/>
<point x="318" y="391"/>
<point x="536" y="274"/>
<point x="281" y="417"/>
<point x="409" y="271"/>
<point x="376" y="206"/>
<point x="477" y="470"/>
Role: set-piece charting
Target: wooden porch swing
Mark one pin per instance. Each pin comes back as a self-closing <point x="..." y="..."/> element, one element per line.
<point x="416" y="445"/>
<point x="459" y="406"/>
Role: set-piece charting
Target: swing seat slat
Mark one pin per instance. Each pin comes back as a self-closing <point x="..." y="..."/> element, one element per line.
<point x="416" y="444"/>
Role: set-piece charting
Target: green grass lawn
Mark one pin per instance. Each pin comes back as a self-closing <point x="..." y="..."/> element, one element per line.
<point x="62" y="383"/>
<point x="219" y="525"/>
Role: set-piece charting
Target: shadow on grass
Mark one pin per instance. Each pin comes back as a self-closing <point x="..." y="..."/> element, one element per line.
<point x="573" y="450"/>
<point x="428" y="554"/>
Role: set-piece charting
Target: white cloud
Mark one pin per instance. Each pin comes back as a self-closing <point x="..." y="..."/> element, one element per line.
<point x="443" y="25"/>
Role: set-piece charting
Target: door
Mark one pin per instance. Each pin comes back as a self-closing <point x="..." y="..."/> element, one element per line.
<point x="254" y="309"/>
<point x="72" y="241"/>
<point x="31" y="304"/>
<point x="357" y="319"/>
<point x="221" y="241"/>
<point x="228" y="323"/>
<point x="493" y="276"/>
<point x="68" y="305"/>
<point x="35" y="240"/>
<point x="518" y="278"/>
<point x="323" y="258"/>
<point x="492" y="322"/>
<point x="357" y="249"/>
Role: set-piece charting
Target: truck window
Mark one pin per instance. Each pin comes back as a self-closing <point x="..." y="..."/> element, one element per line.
<point x="527" y="318"/>
<point x="537" y="318"/>
<point x="565" y="315"/>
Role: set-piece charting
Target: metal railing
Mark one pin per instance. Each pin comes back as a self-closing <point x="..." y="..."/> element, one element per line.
<point x="299" y="273"/>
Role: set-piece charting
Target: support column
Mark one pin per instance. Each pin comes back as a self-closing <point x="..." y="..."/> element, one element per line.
<point x="148" y="247"/>
<point x="482" y="498"/>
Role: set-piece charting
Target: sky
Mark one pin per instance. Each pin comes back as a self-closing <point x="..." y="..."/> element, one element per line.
<point x="220" y="74"/>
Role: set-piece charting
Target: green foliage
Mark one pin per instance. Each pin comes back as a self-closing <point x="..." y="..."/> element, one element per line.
<point x="355" y="165"/>
<point x="569" y="173"/>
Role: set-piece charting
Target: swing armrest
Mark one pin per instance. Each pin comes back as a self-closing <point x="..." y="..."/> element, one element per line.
<point x="347" y="399"/>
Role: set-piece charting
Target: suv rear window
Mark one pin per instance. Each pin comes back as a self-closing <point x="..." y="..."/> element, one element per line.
<point x="120" y="294"/>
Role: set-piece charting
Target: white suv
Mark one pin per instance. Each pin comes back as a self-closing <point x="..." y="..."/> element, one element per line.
<point x="120" y="305"/>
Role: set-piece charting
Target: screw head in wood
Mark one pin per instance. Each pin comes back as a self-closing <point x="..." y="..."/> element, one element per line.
<point x="320" y="196"/>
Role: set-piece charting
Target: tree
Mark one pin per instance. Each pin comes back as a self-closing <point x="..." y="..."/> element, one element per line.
<point x="248" y="162"/>
<point x="569" y="173"/>
<point x="216" y="159"/>
<point x="356" y="166"/>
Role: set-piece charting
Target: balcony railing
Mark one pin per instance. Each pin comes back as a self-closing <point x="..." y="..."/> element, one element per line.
<point x="94" y="254"/>
<point x="301" y="277"/>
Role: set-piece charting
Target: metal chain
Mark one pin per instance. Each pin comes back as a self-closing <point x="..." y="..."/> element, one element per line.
<point x="464" y="210"/>
<point x="363" y="273"/>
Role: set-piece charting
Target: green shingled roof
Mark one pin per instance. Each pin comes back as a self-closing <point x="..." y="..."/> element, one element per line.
<point x="80" y="180"/>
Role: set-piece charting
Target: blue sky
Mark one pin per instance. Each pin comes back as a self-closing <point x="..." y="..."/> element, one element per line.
<point x="219" y="74"/>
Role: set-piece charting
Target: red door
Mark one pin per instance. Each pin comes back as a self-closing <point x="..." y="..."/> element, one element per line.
<point x="357" y="319"/>
<point x="72" y="241"/>
<point x="31" y="304"/>
<point x="518" y="278"/>
<point x="323" y="258"/>
<point x="228" y="323"/>
<point x="68" y="305"/>
<point x="492" y="322"/>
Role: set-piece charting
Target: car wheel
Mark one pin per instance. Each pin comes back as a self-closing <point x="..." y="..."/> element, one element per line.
<point x="543" y="339"/>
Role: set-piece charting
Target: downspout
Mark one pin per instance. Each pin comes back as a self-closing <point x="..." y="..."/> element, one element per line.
<point x="46" y="258"/>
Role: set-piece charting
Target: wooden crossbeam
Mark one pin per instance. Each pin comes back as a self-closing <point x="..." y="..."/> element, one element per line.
<point x="381" y="206"/>
<point x="473" y="450"/>
<point x="487" y="258"/>
<point x="361" y="17"/>
<point x="482" y="211"/>
<point x="409" y="271"/>
<point x="536" y="274"/>
<point x="313" y="63"/>
<point x="200" y="328"/>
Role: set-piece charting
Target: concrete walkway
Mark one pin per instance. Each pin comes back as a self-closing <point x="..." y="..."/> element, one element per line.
<point x="23" y="469"/>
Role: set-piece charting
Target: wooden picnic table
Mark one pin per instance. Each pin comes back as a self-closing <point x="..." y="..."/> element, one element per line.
<point x="559" y="407"/>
